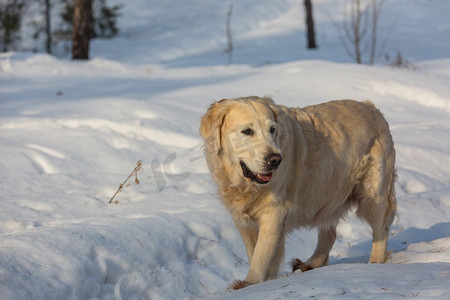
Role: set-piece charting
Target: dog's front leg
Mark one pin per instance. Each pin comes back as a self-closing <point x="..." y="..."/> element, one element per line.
<point x="249" y="237"/>
<point x="269" y="236"/>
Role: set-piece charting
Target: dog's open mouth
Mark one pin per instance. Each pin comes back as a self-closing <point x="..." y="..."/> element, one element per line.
<point x="256" y="177"/>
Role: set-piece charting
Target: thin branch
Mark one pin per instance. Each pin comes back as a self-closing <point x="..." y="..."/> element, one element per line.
<point x="137" y="168"/>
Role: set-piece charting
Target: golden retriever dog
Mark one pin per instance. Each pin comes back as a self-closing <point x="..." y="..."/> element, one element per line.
<point x="279" y="168"/>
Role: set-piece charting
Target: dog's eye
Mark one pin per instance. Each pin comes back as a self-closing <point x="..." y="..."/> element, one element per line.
<point x="272" y="130"/>
<point x="247" y="131"/>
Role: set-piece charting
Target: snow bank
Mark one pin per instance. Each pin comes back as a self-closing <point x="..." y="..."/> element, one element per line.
<point x="71" y="132"/>
<point x="423" y="281"/>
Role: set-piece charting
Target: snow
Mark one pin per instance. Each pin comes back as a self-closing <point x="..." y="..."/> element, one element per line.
<point x="72" y="131"/>
<point x="369" y="282"/>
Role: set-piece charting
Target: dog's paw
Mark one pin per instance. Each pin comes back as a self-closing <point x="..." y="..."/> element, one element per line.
<point x="297" y="264"/>
<point x="238" y="284"/>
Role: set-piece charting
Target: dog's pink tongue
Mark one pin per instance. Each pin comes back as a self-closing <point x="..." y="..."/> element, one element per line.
<point x="265" y="177"/>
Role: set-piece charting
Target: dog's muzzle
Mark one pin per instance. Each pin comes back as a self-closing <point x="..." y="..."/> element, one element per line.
<point x="273" y="161"/>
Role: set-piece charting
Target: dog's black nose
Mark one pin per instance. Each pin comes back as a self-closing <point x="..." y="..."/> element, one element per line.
<point x="274" y="160"/>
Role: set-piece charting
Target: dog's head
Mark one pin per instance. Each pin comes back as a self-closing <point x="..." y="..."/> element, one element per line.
<point x="241" y="139"/>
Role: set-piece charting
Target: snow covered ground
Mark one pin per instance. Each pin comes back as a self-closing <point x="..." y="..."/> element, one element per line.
<point x="72" y="131"/>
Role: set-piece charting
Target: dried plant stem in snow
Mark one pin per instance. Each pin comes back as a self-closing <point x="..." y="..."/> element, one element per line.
<point x="137" y="168"/>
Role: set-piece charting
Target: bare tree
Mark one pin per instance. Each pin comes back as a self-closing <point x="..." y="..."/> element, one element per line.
<point x="311" y="36"/>
<point x="229" y="49"/>
<point x="360" y="28"/>
<point x="376" y="10"/>
<point x="354" y="29"/>
<point x="82" y="29"/>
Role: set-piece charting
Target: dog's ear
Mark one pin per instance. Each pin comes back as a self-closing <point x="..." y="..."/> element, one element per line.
<point x="211" y="126"/>
<point x="267" y="100"/>
<point x="276" y="111"/>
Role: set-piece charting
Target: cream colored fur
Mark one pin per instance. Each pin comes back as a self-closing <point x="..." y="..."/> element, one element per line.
<point x="335" y="156"/>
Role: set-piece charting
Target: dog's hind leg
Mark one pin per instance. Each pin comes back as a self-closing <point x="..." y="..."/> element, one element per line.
<point x="380" y="219"/>
<point x="380" y="226"/>
<point x="325" y="242"/>
<point x="375" y="197"/>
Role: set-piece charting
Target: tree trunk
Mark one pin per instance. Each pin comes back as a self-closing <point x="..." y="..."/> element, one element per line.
<point x="376" y="10"/>
<point x="48" y="29"/>
<point x="310" y="25"/>
<point x="82" y="23"/>
<point x="11" y="13"/>
<point x="229" y="49"/>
